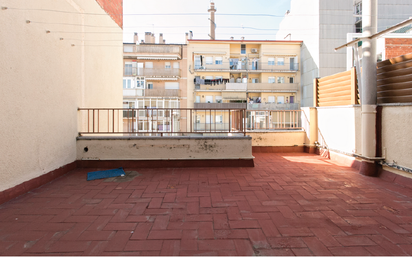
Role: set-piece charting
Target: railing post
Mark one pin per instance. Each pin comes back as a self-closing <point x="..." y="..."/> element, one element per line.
<point x="229" y="122"/>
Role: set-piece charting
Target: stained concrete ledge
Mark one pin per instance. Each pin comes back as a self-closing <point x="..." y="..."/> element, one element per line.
<point x="196" y="151"/>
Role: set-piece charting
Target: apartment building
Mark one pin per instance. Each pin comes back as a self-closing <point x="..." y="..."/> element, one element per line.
<point x="324" y="25"/>
<point x="250" y="74"/>
<point x="154" y="77"/>
<point x="229" y="73"/>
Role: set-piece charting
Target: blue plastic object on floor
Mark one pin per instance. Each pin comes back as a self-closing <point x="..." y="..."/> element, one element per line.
<point x="105" y="174"/>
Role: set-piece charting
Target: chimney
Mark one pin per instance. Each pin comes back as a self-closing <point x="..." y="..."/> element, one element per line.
<point x="142" y="41"/>
<point x="148" y="37"/>
<point x="191" y="34"/>
<point x="231" y="38"/>
<point x="186" y="37"/>
<point x="164" y="41"/>
<point x="161" y="38"/>
<point x="135" y="38"/>
<point x="242" y="38"/>
<point x="153" y="39"/>
<point x="212" y="11"/>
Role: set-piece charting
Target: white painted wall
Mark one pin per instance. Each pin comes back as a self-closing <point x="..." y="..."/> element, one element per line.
<point x="396" y="135"/>
<point x="44" y="80"/>
<point x="339" y="128"/>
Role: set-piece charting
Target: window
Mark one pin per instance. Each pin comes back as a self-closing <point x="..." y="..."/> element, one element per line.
<point x="150" y="85"/>
<point x="128" y="49"/>
<point x="271" y="99"/>
<point x="292" y="99"/>
<point x="219" y="118"/>
<point x="271" y="80"/>
<point x="242" y="49"/>
<point x="291" y="80"/>
<point x="219" y="60"/>
<point x="219" y="77"/>
<point x="271" y="61"/>
<point x="127" y="104"/>
<point x="197" y="99"/>
<point x="281" y="99"/>
<point x="209" y="60"/>
<point x="140" y="83"/>
<point x="218" y="99"/>
<point x="149" y="65"/>
<point x="281" y="79"/>
<point x="255" y="80"/>
<point x="128" y="68"/>
<point x="209" y="99"/>
<point x="209" y="119"/>
<point x="175" y="65"/>
<point x="171" y="85"/>
<point x="127" y="83"/>
<point x="167" y="65"/>
<point x="198" y="62"/>
<point x="281" y="61"/>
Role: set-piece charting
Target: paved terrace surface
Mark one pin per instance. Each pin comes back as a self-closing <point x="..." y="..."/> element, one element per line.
<point x="289" y="204"/>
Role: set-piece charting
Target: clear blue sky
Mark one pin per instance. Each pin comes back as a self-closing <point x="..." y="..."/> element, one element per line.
<point x="173" y="27"/>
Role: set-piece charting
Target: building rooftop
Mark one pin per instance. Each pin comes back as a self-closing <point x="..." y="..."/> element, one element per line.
<point x="288" y="204"/>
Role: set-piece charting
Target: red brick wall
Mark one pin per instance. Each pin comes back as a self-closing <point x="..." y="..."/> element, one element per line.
<point x="114" y="8"/>
<point x="397" y="46"/>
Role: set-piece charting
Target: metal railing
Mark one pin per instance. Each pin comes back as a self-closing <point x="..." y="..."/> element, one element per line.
<point x="274" y="120"/>
<point x="272" y="106"/>
<point x="243" y="66"/>
<point x="154" y="72"/>
<point x="184" y="121"/>
<point x="162" y="121"/>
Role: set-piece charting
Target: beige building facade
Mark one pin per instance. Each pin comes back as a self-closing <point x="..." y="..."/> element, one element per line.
<point x="253" y="75"/>
<point x="154" y="77"/>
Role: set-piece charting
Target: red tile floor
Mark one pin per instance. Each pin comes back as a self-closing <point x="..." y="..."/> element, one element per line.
<point x="289" y="204"/>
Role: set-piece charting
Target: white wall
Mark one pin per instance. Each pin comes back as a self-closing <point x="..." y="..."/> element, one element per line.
<point x="396" y="135"/>
<point x="44" y="80"/>
<point x="339" y="128"/>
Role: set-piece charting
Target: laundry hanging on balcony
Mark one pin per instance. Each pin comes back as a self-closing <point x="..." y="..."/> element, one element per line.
<point x="212" y="82"/>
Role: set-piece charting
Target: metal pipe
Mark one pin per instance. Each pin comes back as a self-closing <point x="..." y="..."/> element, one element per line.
<point x="369" y="89"/>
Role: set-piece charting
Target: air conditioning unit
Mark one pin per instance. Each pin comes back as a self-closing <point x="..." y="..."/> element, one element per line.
<point x="254" y="50"/>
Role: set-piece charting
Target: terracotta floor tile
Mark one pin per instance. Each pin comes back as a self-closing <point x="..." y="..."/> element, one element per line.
<point x="288" y="204"/>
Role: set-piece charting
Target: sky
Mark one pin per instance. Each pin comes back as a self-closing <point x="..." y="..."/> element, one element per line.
<point x="253" y="19"/>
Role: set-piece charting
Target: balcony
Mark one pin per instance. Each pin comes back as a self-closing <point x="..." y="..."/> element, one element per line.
<point x="153" y="52"/>
<point x="220" y="105"/>
<point x="133" y="92"/>
<point x="257" y="67"/>
<point x="273" y="87"/>
<point x="272" y="106"/>
<point x="162" y="92"/>
<point x="251" y="87"/>
<point x="152" y="73"/>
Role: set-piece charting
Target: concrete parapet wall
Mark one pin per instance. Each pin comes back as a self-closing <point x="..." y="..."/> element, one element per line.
<point x="164" y="148"/>
<point x="396" y="135"/>
<point x="278" y="138"/>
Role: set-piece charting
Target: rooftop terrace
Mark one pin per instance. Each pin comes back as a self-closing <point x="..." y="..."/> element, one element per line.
<point x="288" y="204"/>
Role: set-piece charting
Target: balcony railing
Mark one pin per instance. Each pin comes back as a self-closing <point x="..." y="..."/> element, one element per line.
<point x="274" y="120"/>
<point x="161" y="121"/>
<point x="250" y="66"/>
<point x="273" y="106"/>
<point x="158" y="49"/>
<point x="272" y="86"/>
<point x="162" y="92"/>
<point x="152" y="73"/>
<point x="220" y="105"/>
<point x="183" y="121"/>
<point x="133" y="92"/>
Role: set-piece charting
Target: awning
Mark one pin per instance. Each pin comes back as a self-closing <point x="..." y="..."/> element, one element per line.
<point x="234" y="95"/>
